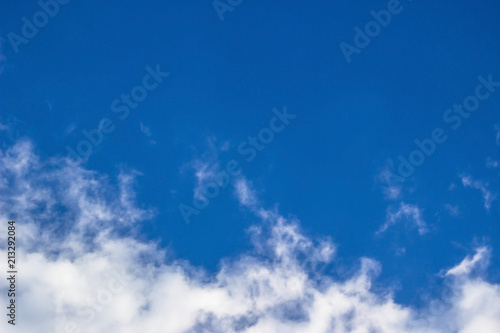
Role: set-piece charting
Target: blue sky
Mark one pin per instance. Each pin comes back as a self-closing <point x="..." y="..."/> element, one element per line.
<point x="325" y="171"/>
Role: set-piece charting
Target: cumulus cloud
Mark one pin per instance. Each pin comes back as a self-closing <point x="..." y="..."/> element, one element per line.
<point x="83" y="269"/>
<point x="407" y="213"/>
<point x="488" y="196"/>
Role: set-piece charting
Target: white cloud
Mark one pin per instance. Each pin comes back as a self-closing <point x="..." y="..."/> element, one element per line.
<point x="206" y="167"/>
<point x="405" y="213"/>
<point x="488" y="196"/>
<point x="81" y="265"/>
<point x="391" y="190"/>
<point x="468" y="264"/>
<point x="205" y="173"/>
<point x="147" y="132"/>
<point x="244" y="192"/>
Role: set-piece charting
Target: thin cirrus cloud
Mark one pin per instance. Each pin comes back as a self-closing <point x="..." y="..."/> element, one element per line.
<point x="406" y="213"/>
<point x="390" y="190"/>
<point x="246" y="196"/>
<point x="145" y="130"/>
<point x="488" y="196"/>
<point x="84" y="270"/>
<point x="205" y="168"/>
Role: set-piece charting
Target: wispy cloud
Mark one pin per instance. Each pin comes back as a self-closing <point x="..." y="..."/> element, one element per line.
<point x="145" y="129"/>
<point x="244" y="192"/>
<point x="205" y="167"/>
<point x="391" y="189"/>
<point x="488" y="196"/>
<point x="147" y="132"/>
<point x="469" y="263"/>
<point x="406" y="213"/>
<point x="84" y="269"/>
